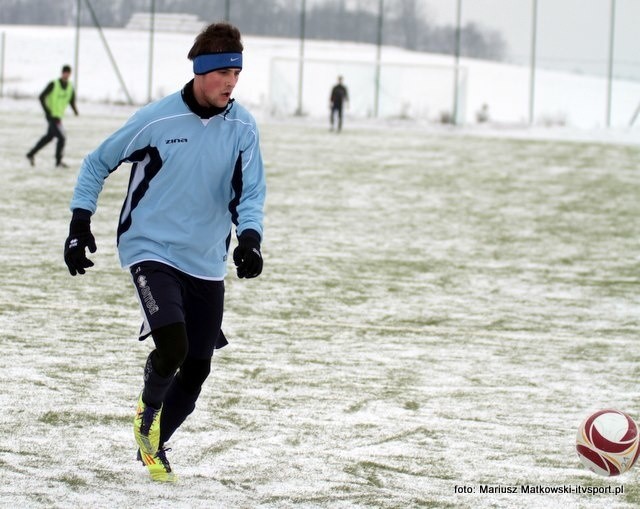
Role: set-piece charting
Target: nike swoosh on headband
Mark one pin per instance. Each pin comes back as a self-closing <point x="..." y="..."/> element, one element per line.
<point x="203" y="64"/>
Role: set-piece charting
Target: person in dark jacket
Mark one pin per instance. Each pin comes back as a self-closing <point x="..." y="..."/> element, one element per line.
<point x="339" y="96"/>
<point x="57" y="95"/>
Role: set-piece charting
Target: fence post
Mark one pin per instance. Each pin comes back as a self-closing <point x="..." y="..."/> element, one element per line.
<point x="3" y="41"/>
<point x="376" y="99"/>
<point x="152" y="29"/>
<point x="612" y="37"/>
<point x="303" y="21"/>
<point x="76" y="58"/>
<point x="456" y="71"/>
<point x="532" y="76"/>
<point x="108" y="50"/>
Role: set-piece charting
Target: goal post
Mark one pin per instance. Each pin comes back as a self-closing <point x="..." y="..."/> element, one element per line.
<point x="416" y="91"/>
<point x="634" y="116"/>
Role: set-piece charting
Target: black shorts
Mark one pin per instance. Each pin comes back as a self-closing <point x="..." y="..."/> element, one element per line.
<point x="167" y="296"/>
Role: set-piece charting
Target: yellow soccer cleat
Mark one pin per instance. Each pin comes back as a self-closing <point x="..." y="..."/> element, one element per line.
<point x="158" y="465"/>
<point x="146" y="427"/>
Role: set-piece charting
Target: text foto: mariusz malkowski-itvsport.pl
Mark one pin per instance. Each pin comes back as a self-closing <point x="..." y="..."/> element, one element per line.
<point x="540" y="490"/>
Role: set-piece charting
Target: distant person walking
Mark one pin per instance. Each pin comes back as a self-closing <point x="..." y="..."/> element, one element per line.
<point x="57" y="95"/>
<point x="339" y="96"/>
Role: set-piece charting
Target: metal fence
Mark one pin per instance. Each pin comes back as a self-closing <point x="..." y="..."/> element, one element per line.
<point x="557" y="56"/>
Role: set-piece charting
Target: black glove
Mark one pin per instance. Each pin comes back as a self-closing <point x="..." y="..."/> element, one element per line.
<point x="80" y="237"/>
<point x="247" y="256"/>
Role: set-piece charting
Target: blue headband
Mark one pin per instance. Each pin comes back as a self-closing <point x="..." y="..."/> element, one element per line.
<point x="202" y="64"/>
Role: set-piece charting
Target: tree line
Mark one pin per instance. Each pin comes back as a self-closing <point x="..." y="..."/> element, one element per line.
<point x="406" y="23"/>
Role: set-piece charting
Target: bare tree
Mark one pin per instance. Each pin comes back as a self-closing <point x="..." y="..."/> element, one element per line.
<point x="410" y="16"/>
<point x="406" y="23"/>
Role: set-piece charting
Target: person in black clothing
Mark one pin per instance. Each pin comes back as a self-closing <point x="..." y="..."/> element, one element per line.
<point x="57" y="95"/>
<point x="339" y="96"/>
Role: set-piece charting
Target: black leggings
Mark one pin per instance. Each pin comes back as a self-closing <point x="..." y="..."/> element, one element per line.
<point x="171" y="354"/>
<point x="172" y="347"/>
<point x="55" y="130"/>
<point x="336" y="109"/>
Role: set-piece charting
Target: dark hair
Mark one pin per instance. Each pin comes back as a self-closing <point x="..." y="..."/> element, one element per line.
<point x="216" y="38"/>
<point x="66" y="68"/>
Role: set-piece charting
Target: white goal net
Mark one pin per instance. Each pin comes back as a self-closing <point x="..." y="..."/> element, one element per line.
<point x="423" y="91"/>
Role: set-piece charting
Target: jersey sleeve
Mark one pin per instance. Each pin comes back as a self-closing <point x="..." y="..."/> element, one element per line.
<point x="118" y="148"/>
<point x="251" y="190"/>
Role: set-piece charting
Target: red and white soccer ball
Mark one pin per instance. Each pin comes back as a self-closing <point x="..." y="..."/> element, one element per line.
<point x="608" y="442"/>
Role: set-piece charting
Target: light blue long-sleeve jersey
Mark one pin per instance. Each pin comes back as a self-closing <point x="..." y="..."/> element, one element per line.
<point x="191" y="179"/>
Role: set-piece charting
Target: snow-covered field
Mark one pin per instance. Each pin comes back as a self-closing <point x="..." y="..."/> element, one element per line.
<point x="439" y="310"/>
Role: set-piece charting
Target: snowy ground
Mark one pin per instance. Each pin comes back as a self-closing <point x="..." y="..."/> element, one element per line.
<point x="438" y="310"/>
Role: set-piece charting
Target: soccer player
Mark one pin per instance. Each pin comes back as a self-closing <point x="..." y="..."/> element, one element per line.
<point x="56" y="96"/>
<point x="339" y="96"/>
<point x="197" y="170"/>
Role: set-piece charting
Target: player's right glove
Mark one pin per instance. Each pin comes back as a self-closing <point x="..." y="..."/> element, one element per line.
<point x="80" y="237"/>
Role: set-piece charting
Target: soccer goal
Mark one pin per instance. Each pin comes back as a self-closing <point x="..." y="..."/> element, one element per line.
<point x="423" y="91"/>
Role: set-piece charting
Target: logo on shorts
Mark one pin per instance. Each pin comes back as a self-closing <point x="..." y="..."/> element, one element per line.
<point x="146" y="295"/>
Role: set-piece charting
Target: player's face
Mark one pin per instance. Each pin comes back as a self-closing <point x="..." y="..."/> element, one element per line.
<point x="215" y="87"/>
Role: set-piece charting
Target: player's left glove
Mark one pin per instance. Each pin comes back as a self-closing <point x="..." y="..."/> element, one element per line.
<point x="247" y="255"/>
<point x="80" y="237"/>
